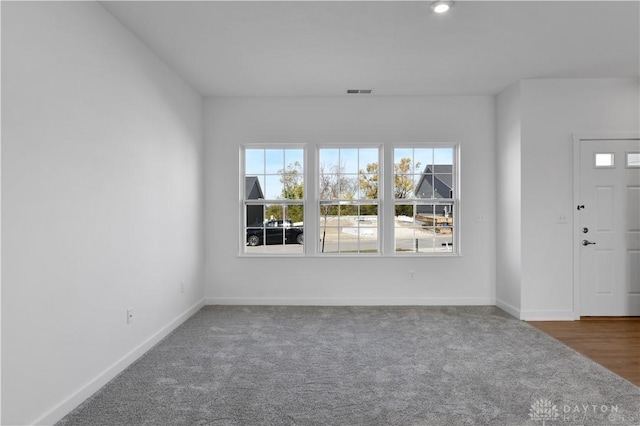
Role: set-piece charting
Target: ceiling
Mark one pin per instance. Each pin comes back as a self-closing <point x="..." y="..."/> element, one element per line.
<point x="308" y="48"/>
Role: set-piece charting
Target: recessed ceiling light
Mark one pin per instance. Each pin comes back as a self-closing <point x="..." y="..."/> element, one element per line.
<point x="441" y="6"/>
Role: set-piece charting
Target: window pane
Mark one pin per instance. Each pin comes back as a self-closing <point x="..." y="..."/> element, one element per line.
<point x="255" y="233"/>
<point x="368" y="156"/>
<point x="295" y="214"/>
<point x="275" y="160"/>
<point x="254" y="161"/>
<point x="294" y="228"/>
<point x="292" y="180"/>
<point x="404" y="186"/>
<point x="327" y="188"/>
<point x="443" y="185"/>
<point x="604" y="159"/>
<point x="410" y="167"/>
<point x="254" y="215"/>
<point x="399" y="153"/>
<point x="328" y="211"/>
<point x="368" y="229"/>
<point x="328" y="158"/>
<point x="295" y="158"/>
<point x="406" y="230"/>
<point x="446" y="243"/>
<point x="329" y="226"/>
<point x="273" y="212"/>
<point x="368" y="240"/>
<point x="404" y="212"/>
<point x="403" y="165"/>
<point x="424" y="186"/>
<point x="368" y="186"/>
<point x="443" y="156"/>
<point x="273" y="187"/>
<point x="253" y="187"/>
<point x="368" y="215"/>
<point x="423" y="157"/>
<point x="349" y="160"/>
<point x="633" y="159"/>
<point x="348" y="186"/>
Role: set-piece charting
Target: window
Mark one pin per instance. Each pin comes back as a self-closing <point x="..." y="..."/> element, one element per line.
<point x="348" y="200"/>
<point x="424" y="199"/>
<point x="360" y="200"/>
<point x="273" y="201"/>
<point x="633" y="159"/>
<point x="604" y="160"/>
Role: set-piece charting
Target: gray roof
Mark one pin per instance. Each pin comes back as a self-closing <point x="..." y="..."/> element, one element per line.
<point x="438" y="177"/>
<point x="252" y="188"/>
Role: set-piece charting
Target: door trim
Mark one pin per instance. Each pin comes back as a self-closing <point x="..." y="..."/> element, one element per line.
<point x="577" y="138"/>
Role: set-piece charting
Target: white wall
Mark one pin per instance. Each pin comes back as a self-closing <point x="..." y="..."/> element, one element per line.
<point x="469" y="278"/>
<point x="552" y="110"/>
<point x="508" y="186"/>
<point x="102" y="203"/>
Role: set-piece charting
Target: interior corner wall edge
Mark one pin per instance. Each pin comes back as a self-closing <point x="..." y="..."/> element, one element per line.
<point x="508" y="199"/>
<point x="101" y="198"/>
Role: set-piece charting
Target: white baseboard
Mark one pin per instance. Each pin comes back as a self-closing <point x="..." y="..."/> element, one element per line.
<point x="390" y="301"/>
<point x="71" y="402"/>
<point x="511" y="310"/>
<point x="547" y="316"/>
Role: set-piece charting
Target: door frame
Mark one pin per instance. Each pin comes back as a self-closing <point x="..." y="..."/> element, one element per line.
<point x="576" y="235"/>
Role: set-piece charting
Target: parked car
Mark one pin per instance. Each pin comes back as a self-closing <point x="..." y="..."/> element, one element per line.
<point x="272" y="231"/>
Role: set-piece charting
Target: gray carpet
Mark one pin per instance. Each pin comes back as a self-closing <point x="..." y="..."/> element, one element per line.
<point x="360" y="366"/>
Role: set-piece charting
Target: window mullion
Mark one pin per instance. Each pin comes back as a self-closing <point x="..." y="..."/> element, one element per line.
<point x="311" y="210"/>
<point x="387" y="205"/>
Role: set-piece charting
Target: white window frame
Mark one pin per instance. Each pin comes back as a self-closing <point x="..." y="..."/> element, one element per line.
<point x="244" y="202"/>
<point x="386" y="202"/>
<point x="379" y="229"/>
<point x="454" y="201"/>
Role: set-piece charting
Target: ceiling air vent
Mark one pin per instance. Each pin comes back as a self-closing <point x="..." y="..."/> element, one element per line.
<point x="359" y="91"/>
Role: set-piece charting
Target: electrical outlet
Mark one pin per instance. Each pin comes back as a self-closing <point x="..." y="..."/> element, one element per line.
<point x="181" y="287"/>
<point x="479" y="218"/>
<point x="129" y="316"/>
<point x="412" y="275"/>
<point x="562" y="218"/>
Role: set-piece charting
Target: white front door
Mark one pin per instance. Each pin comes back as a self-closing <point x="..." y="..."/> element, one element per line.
<point x="609" y="227"/>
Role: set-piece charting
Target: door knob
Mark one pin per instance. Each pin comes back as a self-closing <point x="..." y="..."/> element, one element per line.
<point x="585" y="230"/>
<point x="586" y="242"/>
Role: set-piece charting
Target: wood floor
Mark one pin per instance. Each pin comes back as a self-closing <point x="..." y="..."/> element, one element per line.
<point x="611" y="342"/>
